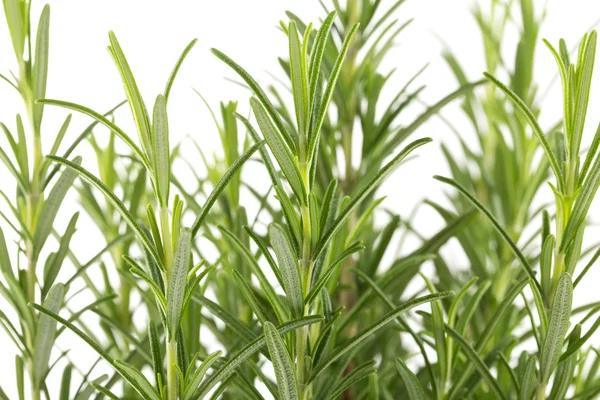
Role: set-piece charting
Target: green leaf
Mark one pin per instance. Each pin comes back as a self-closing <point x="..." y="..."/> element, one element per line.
<point x="258" y="92"/>
<point x="299" y="79"/>
<point x="291" y="216"/>
<point x="265" y="251"/>
<point x="113" y="199"/>
<point x="157" y="360"/>
<point x="40" y="65"/>
<point x="218" y="189"/>
<point x="529" y="380"/>
<point x="19" y="367"/>
<point x="289" y="268"/>
<point x="51" y="206"/>
<point x="495" y="224"/>
<point x="104" y="121"/>
<point x="15" y="12"/>
<point x="437" y="314"/>
<point x="328" y="272"/>
<point x="46" y="331"/>
<point x="557" y="328"/>
<point x="199" y="375"/>
<point x="537" y="130"/>
<point x="55" y="261"/>
<point x="546" y="265"/>
<point x="582" y="205"/>
<point x="158" y="293"/>
<point x="413" y="386"/>
<point x="161" y="151"/>
<point x="5" y="264"/>
<point x="364" y="193"/>
<point x="139" y="378"/>
<point x="456" y="302"/>
<point x="368" y="332"/>
<point x="231" y="321"/>
<point x="264" y="154"/>
<point x="476" y="361"/>
<point x="249" y="296"/>
<point x="357" y="374"/>
<point x="19" y="150"/>
<point x="487" y="334"/>
<point x="65" y="383"/>
<point x="471" y="307"/>
<point x="589" y="158"/>
<point x="267" y="288"/>
<point x="13" y="170"/>
<point x="131" y="380"/>
<point x="280" y="150"/>
<point x="104" y="391"/>
<point x="584" y="80"/>
<point x="173" y="75"/>
<point x="282" y="364"/>
<point x="229" y="367"/>
<point x="579" y="342"/>
<point x="136" y="103"/>
<point x="177" y="281"/>
<point x="331" y="82"/>
<point x="316" y="56"/>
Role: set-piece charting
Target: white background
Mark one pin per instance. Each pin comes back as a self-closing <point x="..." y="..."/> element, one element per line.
<point x="153" y="33"/>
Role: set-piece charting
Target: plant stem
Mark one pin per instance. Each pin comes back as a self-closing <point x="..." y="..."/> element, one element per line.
<point x="166" y="235"/>
<point x="172" y="343"/>
<point x="305" y="271"/>
<point x="172" y="368"/>
<point x="541" y="391"/>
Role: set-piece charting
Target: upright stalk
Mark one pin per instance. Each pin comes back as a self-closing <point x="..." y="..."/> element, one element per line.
<point x="305" y="273"/>
<point x="172" y="341"/>
<point x="172" y="369"/>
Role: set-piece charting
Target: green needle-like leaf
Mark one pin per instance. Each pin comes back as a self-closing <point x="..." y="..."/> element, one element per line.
<point x="413" y="386"/>
<point x="324" y="106"/>
<point x="46" y="331"/>
<point x="289" y="268"/>
<point x="160" y="145"/>
<point x="178" y="280"/>
<point x="124" y="373"/>
<point x="221" y="185"/>
<point x="250" y="349"/>
<point x="369" y="332"/>
<point x="260" y="93"/>
<point x="364" y="193"/>
<point x="516" y="251"/>
<point x="114" y="200"/>
<point x="52" y="205"/>
<point x="104" y="121"/>
<point x="136" y="103"/>
<point x="40" y="66"/>
<point x="476" y="361"/>
<point x="282" y="363"/>
<point x="280" y="150"/>
<point x="537" y="130"/>
<point x="557" y="327"/>
<point x="180" y="61"/>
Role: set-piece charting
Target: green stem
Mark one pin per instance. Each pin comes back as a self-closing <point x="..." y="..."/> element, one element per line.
<point x="305" y="271"/>
<point x="166" y="236"/>
<point x="172" y="343"/>
<point x="541" y="391"/>
<point x="172" y="369"/>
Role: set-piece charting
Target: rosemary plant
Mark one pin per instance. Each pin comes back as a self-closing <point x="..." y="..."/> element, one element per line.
<point x="296" y="293"/>
<point x="364" y="122"/>
<point x="32" y="265"/>
<point x="549" y="370"/>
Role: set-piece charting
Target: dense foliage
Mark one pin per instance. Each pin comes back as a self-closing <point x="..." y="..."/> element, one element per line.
<point x="302" y="295"/>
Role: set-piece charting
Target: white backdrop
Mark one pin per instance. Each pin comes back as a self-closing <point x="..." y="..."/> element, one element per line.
<point x="153" y="33"/>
